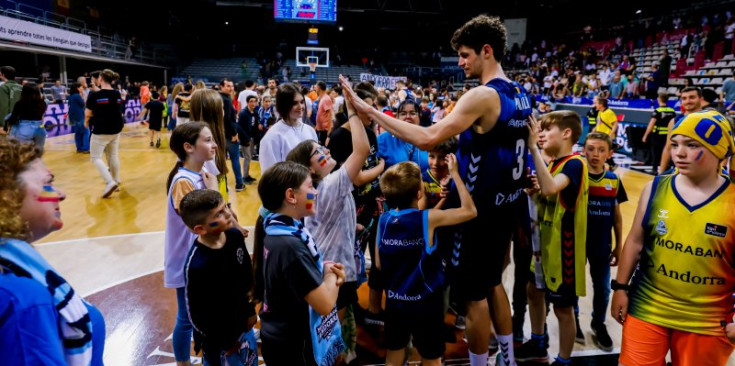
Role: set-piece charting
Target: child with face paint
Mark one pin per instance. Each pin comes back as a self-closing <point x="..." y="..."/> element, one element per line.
<point x="219" y="279"/>
<point x="695" y="277"/>
<point x="194" y="145"/>
<point x="36" y="302"/>
<point x="294" y="281"/>
<point x="334" y="224"/>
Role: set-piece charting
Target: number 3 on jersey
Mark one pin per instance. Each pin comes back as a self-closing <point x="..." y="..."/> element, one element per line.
<point x="520" y="154"/>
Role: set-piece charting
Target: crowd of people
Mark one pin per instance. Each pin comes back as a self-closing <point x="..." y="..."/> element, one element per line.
<point x="434" y="185"/>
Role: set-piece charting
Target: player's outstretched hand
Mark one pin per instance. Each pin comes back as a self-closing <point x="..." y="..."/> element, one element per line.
<point x="359" y="105"/>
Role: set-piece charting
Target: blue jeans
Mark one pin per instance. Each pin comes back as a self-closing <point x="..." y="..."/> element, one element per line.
<point x="81" y="136"/>
<point x="171" y="123"/>
<point x="29" y="131"/>
<point x="233" y="148"/>
<point x="600" y="273"/>
<point x="182" y="329"/>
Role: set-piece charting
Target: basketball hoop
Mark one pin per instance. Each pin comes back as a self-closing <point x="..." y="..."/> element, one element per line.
<point x="312" y="61"/>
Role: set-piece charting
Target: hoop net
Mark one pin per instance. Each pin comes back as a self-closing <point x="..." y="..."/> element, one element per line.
<point x="312" y="61"/>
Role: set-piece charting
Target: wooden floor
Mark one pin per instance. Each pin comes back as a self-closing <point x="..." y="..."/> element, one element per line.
<point x="111" y="250"/>
<point x="140" y="206"/>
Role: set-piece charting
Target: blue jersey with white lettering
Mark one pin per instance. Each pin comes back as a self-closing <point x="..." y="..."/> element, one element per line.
<point x="414" y="269"/>
<point x="605" y="192"/>
<point x="493" y="165"/>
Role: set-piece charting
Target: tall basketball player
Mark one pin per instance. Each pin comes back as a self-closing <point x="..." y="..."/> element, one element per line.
<point x="491" y="120"/>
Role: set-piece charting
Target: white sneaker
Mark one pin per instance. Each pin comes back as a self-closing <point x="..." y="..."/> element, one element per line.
<point x="109" y="189"/>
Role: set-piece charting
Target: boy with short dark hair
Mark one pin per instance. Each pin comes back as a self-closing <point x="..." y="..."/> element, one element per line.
<point x="436" y="178"/>
<point x="219" y="280"/>
<point x="154" y="108"/>
<point x="563" y="226"/>
<point x="606" y="193"/>
<point x="413" y="268"/>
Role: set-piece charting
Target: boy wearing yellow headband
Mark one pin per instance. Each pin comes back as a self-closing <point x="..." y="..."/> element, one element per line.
<point x="684" y="235"/>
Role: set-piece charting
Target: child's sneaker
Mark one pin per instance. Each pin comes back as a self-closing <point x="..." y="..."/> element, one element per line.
<point x="602" y="338"/>
<point x="460" y="323"/>
<point x="532" y="351"/>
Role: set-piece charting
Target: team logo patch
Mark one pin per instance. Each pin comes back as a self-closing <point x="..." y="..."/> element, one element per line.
<point x="240" y="255"/>
<point x="719" y="231"/>
<point x="661" y="228"/>
<point x="608" y="187"/>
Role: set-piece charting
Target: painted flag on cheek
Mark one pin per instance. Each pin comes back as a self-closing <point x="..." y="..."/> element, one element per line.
<point x="310" y="197"/>
<point x="49" y="194"/>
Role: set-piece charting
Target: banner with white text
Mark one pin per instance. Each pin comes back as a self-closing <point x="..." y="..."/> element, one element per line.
<point x="22" y="31"/>
<point x="386" y="82"/>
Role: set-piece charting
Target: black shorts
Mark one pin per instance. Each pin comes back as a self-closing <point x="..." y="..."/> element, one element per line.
<point x="564" y="297"/>
<point x="347" y="295"/>
<point x="154" y="125"/>
<point x="425" y="326"/>
<point x="483" y="244"/>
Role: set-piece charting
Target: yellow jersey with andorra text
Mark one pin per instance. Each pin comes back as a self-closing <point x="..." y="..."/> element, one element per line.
<point x="686" y="275"/>
<point x="563" y="227"/>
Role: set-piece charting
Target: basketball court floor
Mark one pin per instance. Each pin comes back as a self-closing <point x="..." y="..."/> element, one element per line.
<point x="111" y="252"/>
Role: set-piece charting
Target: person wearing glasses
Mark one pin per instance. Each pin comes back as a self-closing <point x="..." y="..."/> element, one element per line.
<point x="394" y="150"/>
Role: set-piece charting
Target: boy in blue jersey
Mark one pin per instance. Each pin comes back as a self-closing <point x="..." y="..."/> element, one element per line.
<point x="413" y="268"/>
<point x="436" y="177"/>
<point x="491" y="119"/>
<point x="603" y="217"/>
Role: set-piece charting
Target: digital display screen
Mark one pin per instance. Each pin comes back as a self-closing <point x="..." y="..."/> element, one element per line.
<point x="305" y="11"/>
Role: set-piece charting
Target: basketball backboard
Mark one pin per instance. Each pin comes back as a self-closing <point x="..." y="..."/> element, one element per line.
<point x="304" y="55"/>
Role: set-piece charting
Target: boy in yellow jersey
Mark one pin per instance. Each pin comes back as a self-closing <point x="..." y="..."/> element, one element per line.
<point x="606" y="193"/>
<point x="563" y="210"/>
<point x="684" y="234"/>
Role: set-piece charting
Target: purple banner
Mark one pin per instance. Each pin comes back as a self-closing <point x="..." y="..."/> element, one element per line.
<point x="55" y="118"/>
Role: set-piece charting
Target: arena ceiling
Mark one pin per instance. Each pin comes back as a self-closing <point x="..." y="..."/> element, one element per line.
<point x="218" y="25"/>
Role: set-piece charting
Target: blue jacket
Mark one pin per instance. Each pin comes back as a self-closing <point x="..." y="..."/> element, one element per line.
<point x="29" y="328"/>
<point x="76" y="108"/>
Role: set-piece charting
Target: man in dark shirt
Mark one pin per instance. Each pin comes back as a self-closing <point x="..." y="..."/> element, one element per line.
<point x="247" y="129"/>
<point x="658" y="129"/>
<point x="664" y="68"/>
<point x="226" y="87"/>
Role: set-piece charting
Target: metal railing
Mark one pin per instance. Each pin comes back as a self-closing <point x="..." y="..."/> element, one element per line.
<point x="102" y="44"/>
